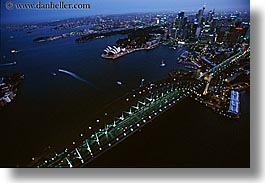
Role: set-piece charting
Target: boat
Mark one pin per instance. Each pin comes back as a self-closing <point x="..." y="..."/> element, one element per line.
<point x="13" y="51"/>
<point x="119" y="83"/>
<point x="162" y="64"/>
<point x="54" y="73"/>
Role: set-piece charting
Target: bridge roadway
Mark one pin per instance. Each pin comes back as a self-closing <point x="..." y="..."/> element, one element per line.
<point x="135" y="118"/>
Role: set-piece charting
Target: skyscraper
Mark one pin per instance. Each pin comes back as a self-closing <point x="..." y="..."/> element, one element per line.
<point x="210" y="16"/>
<point x="235" y="34"/>
<point x="181" y="15"/>
<point x="200" y="14"/>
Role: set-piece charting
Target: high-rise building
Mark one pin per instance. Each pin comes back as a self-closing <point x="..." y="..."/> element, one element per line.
<point x="157" y="21"/>
<point x="178" y="21"/>
<point x="220" y="34"/>
<point x="175" y="23"/>
<point x="235" y="35"/>
<point x="198" y="32"/>
<point x="178" y="24"/>
<point x="181" y="15"/>
<point x="214" y="24"/>
<point x="193" y="28"/>
<point x="210" y="16"/>
<point x="200" y="14"/>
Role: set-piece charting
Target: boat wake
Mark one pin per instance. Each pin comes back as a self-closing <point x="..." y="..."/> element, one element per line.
<point x="76" y="77"/>
<point x="8" y="64"/>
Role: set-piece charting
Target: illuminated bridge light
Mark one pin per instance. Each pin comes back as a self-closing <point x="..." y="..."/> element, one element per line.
<point x="131" y="129"/>
<point x="133" y="96"/>
<point x="73" y="143"/>
<point x="138" y="125"/>
<point x="127" y="99"/>
<point x="81" y="135"/>
<point x="97" y="120"/>
<point x="117" y="139"/>
<point x="109" y="145"/>
<point x="124" y="134"/>
<point x="100" y="149"/>
<point x="149" y="117"/>
<point x="90" y="128"/>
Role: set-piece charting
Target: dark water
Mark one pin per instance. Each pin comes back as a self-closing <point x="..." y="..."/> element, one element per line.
<point x="188" y="135"/>
<point x="53" y="110"/>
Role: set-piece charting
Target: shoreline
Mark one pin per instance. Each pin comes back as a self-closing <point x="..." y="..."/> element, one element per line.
<point x="116" y="56"/>
<point x="8" y="88"/>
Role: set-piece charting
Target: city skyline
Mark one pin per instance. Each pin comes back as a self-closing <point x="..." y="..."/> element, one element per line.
<point x="102" y="7"/>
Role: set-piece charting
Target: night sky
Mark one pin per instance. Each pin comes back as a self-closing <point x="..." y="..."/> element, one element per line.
<point x="104" y="7"/>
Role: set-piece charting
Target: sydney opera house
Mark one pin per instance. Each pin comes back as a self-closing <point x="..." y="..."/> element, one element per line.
<point x="113" y="50"/>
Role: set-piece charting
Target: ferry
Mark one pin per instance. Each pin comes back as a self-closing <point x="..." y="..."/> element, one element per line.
<point x="13" y="51"/>
<point x="119" y="83"/>
<point x="162" y="64"/>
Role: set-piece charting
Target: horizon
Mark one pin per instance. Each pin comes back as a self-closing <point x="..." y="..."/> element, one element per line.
<point x="111" y="14"/>
<point x="101" y="8"/>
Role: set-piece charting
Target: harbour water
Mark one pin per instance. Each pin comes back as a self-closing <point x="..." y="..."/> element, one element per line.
<point x="53" y="109"/>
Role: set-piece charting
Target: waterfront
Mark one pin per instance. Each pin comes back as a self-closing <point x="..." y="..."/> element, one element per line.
<point x="50" y="110"/>
<point x="188" y="135"/>
<point x="128" y="51"/>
